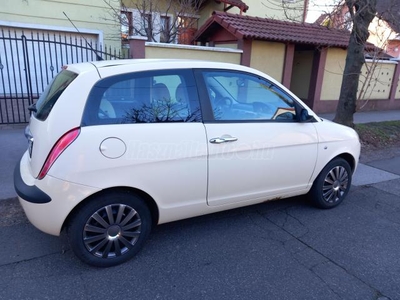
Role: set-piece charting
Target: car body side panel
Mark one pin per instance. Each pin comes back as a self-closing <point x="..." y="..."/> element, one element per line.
<point x="66" y="115"/>
<point x="170" y="166"/>
<point x="49" y="217"/>
<point x="335" y="140"/>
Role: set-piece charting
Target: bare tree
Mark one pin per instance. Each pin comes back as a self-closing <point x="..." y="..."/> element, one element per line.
<point x="357" y="17"/>
<point x="362" y="13"/>
<point x="159" y="21"/>
<point x="373" y="67"/>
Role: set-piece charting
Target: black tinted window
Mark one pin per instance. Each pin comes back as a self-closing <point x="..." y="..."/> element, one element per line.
<point x="146" y="97"/>
<point x="51" y="94"/>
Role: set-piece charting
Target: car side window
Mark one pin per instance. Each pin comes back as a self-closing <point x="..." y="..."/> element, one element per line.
<point x="145" y="97"/>
<point x="241" y="96"/>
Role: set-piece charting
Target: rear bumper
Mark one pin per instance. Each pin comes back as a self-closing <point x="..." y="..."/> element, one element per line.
<point x="59" y="198"/>
<point x="30" y="193"/>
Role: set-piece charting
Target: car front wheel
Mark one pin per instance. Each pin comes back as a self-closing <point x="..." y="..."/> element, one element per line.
<point x="332" y="184"/>
<point x="109" y="229"/>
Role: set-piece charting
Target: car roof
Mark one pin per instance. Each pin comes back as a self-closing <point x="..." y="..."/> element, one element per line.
<point x="159" y="62"/>
<point x="112" y="67"/>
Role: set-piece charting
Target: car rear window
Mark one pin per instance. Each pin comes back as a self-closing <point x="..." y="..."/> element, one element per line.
<point x="52" y="92"/>
<point x="144" y="97"/>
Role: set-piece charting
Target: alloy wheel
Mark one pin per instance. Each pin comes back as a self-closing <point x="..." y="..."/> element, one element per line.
<point x="335" y="184"/>
<point x="112" y="231"/>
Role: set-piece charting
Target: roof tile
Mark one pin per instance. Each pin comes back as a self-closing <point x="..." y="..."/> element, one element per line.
<point x="276" y="30"/>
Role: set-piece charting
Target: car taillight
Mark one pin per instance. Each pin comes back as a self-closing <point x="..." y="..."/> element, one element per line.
<point x="58" y="148"/>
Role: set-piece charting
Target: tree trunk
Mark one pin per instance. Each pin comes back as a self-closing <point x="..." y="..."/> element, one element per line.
<point x="363" y="12"/>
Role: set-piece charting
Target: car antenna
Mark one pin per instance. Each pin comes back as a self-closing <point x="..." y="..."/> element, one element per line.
<point x="98" y="57"/>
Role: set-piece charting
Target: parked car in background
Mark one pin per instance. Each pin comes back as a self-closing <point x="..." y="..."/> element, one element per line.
<point x="116" y="147"/>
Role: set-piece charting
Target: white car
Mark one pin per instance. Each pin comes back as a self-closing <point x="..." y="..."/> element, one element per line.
<point x="116" y="147"/>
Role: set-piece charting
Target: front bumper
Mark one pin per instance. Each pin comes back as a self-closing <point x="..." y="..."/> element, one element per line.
<point x="47" y="202"/>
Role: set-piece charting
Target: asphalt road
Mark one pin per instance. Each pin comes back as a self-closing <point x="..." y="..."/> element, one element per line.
<point x="277" y="250"/>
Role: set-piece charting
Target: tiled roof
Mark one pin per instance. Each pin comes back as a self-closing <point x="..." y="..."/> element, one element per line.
<point x="246" y="27"/>
<point x="238" y="3"/>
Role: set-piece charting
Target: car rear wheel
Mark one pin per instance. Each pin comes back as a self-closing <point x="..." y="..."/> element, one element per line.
<point x="109" y="229"/>
<point x="332" y="184"/>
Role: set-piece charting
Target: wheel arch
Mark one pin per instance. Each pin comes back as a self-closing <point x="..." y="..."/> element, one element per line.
<point x="331" y="195"/>
<point x="349" y="158"/>
<point x="151" y="204"/>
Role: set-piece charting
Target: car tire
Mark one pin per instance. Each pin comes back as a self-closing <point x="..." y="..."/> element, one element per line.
<point x="109" y="229"/>
<point x="332" y="184"/>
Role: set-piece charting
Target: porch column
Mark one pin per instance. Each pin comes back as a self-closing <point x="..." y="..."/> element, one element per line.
<point x="137" y="46"/>
<point x="245" y="45"/>
<point x="317" y="77"/>
<point x="288" y="65"/>
<point x="395" y="81"/>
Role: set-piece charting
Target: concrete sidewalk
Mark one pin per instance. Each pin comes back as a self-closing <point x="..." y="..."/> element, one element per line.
<point x="13" y="144"/>
<point x="370" y="116"/>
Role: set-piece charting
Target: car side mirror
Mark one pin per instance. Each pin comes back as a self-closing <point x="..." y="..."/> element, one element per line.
<point x="304" y="116"/>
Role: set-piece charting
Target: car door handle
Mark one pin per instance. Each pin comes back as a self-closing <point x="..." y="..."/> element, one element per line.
<point x="223" y="139"/>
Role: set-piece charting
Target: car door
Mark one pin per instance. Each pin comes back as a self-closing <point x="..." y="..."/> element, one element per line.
<point x="257" y="148"/>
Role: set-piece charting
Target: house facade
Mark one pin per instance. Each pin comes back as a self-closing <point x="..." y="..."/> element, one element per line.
<point x="38" y="37"/>
<point x="91" y="17"/>
<point x="384" y="29"/>
<point x="307" y="58"/>
<point x="292" y="10"/>
<point x="177" y="21"/>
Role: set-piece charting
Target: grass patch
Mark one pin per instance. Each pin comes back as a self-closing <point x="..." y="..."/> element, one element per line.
<point x="379" y="134"/>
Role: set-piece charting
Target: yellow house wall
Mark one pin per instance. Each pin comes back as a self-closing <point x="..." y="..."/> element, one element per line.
<point x="230" y="46"/>
<point x="378" y="82"/>
<point x="333" y="74"/>
<point x="377" y="87"/>
<point x="155" y="50"/>
<point x="206" y="12"/>
<point x="162" y="6"/>
<point x="48" y="14"/>
<point x="269" y="58"/>
<point x="301" y="73"/>
<point x="262" y="9"/>
<point x="273" y="9"/>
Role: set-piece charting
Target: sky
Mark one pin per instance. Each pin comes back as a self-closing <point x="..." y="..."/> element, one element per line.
<point x="318" y="7"/>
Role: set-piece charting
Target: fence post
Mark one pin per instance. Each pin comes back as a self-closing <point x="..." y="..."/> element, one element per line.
<point x="27" y="69"/>
<point x="137" y="46"/>
<point x="395" y="81"/>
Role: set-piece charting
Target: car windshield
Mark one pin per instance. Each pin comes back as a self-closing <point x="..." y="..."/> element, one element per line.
<point x="51" y="94"/>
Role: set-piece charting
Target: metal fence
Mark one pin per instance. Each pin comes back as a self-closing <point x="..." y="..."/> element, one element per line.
<point x="28" y="62"/>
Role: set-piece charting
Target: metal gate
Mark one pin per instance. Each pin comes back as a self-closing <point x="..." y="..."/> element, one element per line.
<point x="29" y="62"/>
